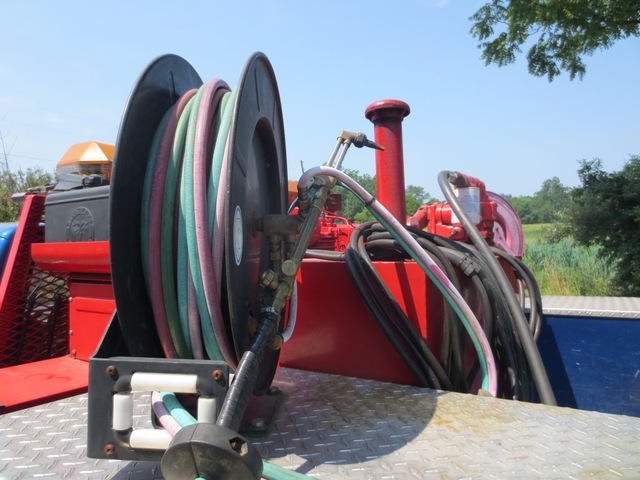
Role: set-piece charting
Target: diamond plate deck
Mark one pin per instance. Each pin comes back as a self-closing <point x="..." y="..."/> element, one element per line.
<point x="605" y="307"/>
<point x="337" y="427"/>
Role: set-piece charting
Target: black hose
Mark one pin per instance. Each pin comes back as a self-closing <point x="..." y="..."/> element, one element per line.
<point x="513" y="368"/>
<point x="505" y="345"/>
<point x="244" y="380"/>
<point x="402" y="321"/>
<point x="451" y="352"/>
<point x="456" y="369"/>
<point x="400" y="344"/>
<point x="539" y="374"/>
<point x="510" y="358"/>
<point x="536" y="317"/>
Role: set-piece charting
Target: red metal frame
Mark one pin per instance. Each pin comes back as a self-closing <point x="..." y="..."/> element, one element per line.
<point x="75" y="276"/>
<point x="33" y="301"/>
<point x="91" y="303"/>
<point x="91" y="306"/>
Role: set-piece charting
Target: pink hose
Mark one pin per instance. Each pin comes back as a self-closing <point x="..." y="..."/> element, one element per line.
<point x="169" y="423"/>
<point x="202" y="154"/>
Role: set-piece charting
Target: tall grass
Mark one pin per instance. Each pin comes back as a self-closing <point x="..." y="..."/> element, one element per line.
<point x="564" y="268"/>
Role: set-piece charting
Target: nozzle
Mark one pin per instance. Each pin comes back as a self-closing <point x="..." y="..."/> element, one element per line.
<point x="358" y="140"/>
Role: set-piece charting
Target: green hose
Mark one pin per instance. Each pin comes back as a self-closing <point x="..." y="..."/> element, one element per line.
<point x="270" y="471"/>
<point x="174" y="307"/>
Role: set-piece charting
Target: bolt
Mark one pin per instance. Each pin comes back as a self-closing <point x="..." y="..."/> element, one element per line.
<point x="258" y="423"/>
<point x="239" y="446"/>
<point x="111" y="370"/>
<point x="109" y="449"/>
<point x="218" y="375"/>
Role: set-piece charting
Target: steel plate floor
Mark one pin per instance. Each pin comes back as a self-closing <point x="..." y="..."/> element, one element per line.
<point x="337" y="427"/>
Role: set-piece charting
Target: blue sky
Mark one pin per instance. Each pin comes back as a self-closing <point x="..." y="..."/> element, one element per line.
<point x="67" y="68"/>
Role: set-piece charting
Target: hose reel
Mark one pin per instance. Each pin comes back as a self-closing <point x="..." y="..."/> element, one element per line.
<point x="219" y="205"/>
<point x="255" y="185"/>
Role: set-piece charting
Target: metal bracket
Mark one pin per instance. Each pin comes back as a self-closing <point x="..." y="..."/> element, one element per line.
<point x="111" y="433"/>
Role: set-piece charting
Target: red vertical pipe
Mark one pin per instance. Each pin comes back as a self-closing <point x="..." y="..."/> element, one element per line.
<point x="387" y="116"/>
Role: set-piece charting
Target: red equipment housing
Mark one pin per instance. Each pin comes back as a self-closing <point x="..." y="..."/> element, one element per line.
<point x="438" y="218"/>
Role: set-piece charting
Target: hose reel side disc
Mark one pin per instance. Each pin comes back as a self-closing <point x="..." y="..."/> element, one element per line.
<point x="159" y="86"/>
<point x="257" y="182"/>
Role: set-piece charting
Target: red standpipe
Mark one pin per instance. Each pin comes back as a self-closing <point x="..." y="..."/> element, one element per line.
<point x="387" y="116"/>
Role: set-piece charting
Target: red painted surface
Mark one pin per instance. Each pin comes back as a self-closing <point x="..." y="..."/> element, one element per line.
<point x="91" y="303"/>
<point x="438" y="218"/>
<point x="40" y="382"/>
<point x="91" y="306"/>
<point x="88" y="257"/>
<point x="387" y="116"/>
<point x="335" y="333"/>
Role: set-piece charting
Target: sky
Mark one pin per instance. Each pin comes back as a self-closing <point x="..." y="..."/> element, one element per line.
<point x="67" y="69"/>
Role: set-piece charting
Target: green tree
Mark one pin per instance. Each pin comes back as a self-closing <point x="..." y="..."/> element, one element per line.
<point x="20" y="181"/>
<point x="523" y="205"/>
<point x="354" y="210"/>
<point x="606" y="212"/>
<point x="552" y="200"/>
<point x="566" y="30"/>
<point x="415" y="197"/>
<point x="549" y="204"/>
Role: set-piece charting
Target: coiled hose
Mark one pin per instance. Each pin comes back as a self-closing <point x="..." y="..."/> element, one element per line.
<point x="181" y="228"/>
<point x="458" y="260"/>
<point x="450" y="369"/>
<point x="182" y="238"/>
<point x="446" y="287"/>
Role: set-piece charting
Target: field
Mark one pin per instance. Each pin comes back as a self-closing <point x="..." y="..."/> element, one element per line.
<point x="564" y="268"/>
